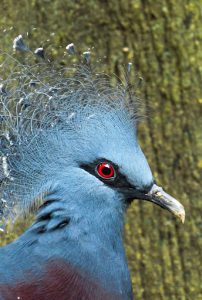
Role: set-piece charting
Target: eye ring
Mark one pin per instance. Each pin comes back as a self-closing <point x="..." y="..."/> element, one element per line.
<point x="105" y="170"/>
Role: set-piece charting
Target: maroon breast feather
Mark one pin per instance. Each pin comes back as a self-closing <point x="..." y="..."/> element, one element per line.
<point x="59" y="282"/>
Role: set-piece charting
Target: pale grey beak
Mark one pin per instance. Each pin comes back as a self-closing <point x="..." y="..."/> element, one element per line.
<point x="161" y="198"/>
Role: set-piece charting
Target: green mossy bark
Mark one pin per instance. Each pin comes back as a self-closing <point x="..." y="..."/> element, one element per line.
<point x="163" y="40"/>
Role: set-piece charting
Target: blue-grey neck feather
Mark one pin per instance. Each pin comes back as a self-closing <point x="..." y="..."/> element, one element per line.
<point x="66" y="123"/>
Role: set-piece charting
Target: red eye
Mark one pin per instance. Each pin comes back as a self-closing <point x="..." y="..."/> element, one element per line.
<point x="105" y="170"/>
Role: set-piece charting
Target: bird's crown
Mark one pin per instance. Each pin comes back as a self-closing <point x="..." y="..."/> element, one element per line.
<point x="51" y="120"/>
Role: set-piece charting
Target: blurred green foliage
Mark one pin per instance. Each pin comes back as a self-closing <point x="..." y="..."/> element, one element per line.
<point x="163" y="40"/>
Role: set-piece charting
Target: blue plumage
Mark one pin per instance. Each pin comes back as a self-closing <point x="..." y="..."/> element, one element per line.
<point x="64" y="137"/>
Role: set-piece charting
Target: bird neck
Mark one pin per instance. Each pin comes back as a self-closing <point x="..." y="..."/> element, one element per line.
<point x="93" y="245"/>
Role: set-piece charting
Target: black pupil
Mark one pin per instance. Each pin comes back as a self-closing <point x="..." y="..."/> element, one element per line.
<point x="106" y="170"/>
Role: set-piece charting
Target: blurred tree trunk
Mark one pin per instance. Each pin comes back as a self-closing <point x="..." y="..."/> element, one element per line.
<point x="163" y="40"/>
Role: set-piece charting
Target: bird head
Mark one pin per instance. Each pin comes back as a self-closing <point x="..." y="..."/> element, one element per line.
<point x="81" y="139"/>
